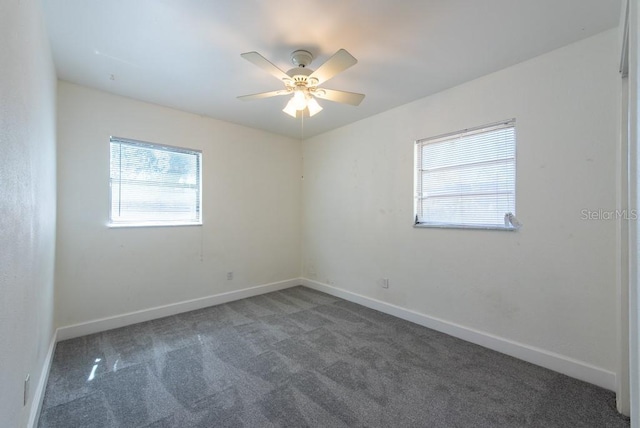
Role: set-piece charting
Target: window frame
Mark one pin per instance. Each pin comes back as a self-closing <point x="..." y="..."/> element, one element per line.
<point x="418" y="144"/>
<point x="165" y="147"/>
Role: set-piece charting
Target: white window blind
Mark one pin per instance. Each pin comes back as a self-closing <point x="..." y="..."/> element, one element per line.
<point x="467" y="178"/>
<point x="154" y="185"/>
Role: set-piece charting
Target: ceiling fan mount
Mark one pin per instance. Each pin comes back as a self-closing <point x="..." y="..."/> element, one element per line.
<point x="302" y="82"/>
<point x="300" y="74"/>
<point x="301" y="58"/>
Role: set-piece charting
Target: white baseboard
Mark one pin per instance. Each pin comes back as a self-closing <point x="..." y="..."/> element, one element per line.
<point x="550" y="360"/>
<point x="38" y="395"/>
<point x="109" y="323"/>
<point x="547" y="359"/>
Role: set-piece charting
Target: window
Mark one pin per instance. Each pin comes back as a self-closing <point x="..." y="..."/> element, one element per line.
<point x="153" y="185"/>
<point x="467" y="178"/>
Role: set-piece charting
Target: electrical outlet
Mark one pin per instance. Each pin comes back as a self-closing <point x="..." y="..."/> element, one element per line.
<point x="25" y="395"/>
<point x="385" y="282"/>
<point x="229" y="276"/>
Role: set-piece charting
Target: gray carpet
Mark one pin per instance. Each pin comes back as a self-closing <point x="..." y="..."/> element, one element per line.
<point x="300" y="358"/>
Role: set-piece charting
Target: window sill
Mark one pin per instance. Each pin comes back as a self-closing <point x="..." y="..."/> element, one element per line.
<point x="150" y="224"/>
<point x="460" y="226"/>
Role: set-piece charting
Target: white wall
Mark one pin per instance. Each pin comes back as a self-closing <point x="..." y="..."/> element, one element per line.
<point x="622" y="243"/>
<point x="633" y="121"/>
<point x="551" y="285"/>
<point x="27" y="204"/>
<point x="251" y="210"/>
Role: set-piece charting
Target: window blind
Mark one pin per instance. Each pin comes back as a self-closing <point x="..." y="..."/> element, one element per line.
<point x="153" y="184"/>
<point x="467" y="178"/>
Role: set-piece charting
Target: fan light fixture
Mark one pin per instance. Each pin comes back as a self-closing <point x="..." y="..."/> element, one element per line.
<point x="300" y="101"/>
<point x="290" y="109"/>
<point x="313" y="106"/>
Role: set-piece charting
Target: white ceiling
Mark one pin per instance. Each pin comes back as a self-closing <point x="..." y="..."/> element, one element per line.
<point x="186" y="53"/>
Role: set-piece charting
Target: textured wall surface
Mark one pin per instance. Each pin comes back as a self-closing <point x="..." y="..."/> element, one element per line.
<point x="550" y="285"/>
<point x="27" y="203"/>
<point x="251" y="210"/>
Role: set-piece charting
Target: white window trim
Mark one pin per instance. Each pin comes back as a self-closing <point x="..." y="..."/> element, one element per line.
<point x="172" y="223"/>
<point x="513" y="225"/>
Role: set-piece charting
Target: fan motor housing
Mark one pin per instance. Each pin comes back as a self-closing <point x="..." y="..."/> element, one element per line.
<point x="300" y="77"/>
<point x="299" y="71"/>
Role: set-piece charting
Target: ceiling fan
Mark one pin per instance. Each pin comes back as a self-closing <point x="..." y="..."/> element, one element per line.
<point x="302" y="82"/>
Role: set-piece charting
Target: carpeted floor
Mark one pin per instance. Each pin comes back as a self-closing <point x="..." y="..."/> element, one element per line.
<point x="301" y="358"/>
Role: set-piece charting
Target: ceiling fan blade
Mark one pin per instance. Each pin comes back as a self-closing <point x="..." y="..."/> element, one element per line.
<point x="340" y="61"/>
<point x="339" y="96"/>
<point x="263" y="95"/>
<point x="265" y="64"/>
